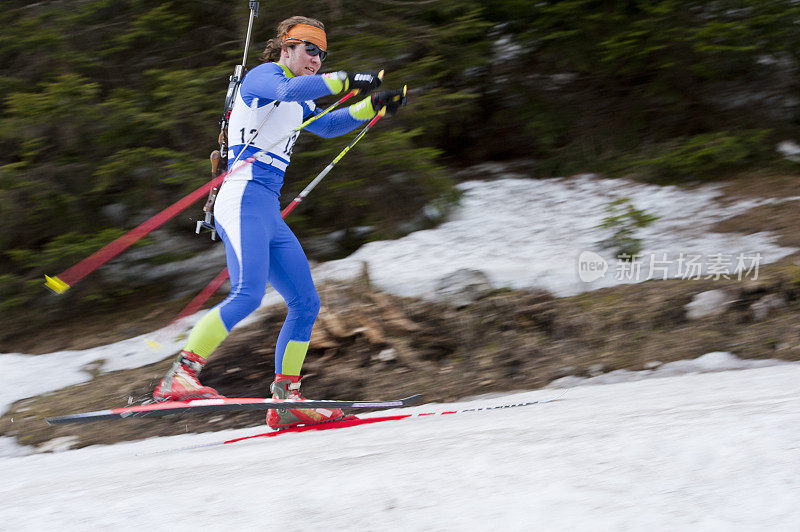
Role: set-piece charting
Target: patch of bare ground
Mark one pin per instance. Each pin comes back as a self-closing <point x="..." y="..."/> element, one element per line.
<point x="74" y="331"/>
<point x="780" y="217"/>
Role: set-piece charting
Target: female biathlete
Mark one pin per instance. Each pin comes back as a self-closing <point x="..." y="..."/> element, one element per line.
<point x="260" y="248"/>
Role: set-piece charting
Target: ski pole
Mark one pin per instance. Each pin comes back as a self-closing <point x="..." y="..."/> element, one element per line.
<point x="65" y="280"/>
<point x="62" y="282"/>
<point x="296" y="201"/>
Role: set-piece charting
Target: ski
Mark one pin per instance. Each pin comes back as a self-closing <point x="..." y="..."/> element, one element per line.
<point x="226" y="404"/>
<point x="355" y="421"/>
<point x="352" y="421"/>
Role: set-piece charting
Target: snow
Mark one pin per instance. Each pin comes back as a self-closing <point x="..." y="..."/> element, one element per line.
<point x="704" y="444"/>
<point x="525" y="233"/>
<point x="705" y="451"/>
<point x="54" y="371"/>
<point x="710" y="362"/>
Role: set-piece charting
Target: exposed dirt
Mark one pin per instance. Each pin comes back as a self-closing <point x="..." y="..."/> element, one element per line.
<point x="133" y="317"/>
<point x="779" y="218"/>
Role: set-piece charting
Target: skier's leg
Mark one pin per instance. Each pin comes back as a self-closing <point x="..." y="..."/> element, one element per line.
<point x="290" y="275"/>
<point x="242" y="225"/>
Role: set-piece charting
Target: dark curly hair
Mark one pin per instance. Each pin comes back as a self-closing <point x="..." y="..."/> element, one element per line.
<point x="273" y="50"/>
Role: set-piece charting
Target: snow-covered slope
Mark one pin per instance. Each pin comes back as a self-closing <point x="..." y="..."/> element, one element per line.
<point x="711" y="451"/>
<point x="521" y="233"/>
<point x="525" y="233"/>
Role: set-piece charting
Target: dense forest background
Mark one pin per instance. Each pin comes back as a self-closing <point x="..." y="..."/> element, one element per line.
<point x="110" y="108"/>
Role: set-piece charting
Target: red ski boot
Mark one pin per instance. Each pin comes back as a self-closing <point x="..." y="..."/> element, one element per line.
<point x="288" y="387"/>
<point x="181" y="383"/>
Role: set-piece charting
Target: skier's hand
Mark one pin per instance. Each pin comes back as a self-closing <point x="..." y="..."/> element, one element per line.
<point x="392" y="100"/>
<point x="364" y="82"/>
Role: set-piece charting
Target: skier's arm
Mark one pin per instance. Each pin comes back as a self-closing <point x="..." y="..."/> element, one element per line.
<point x="341" y="121"/>
<point x="270" y="82"/>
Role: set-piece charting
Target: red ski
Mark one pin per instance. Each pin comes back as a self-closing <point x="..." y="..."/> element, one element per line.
<point x="353" y="422"/>
<point x="222" y="405"/>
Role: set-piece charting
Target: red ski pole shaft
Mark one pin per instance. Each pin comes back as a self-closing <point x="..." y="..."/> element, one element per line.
<point x="62" y="282"/>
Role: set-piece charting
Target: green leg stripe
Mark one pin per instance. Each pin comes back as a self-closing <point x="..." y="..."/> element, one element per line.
<point x="207" y="334"/>
<point x="293" y="357"/>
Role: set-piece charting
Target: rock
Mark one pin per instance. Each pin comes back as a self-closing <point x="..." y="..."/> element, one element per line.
<point x="337" y="243"/>
<point x="187" y="276"/>
<point x="387" y="355"/>
<point x="115" y="212"/>
<point x="790" y="150"/>
<point x="462" y="287"/>
<point x="762" y="308"/>
<point x="62" y="443"/>
<point x="596" y="369"/>
<point x="707" y="304"/>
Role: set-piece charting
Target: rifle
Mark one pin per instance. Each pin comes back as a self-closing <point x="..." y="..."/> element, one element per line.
<point x="219" y="158"/>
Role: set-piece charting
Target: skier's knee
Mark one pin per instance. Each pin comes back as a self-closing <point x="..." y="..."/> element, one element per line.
<point x="247" y="303"/>
<point x="306" y="307"/>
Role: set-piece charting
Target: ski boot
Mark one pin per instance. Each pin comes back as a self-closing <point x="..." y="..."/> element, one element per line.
<point x="181" y="383"/>
<point x="288" y="387"/>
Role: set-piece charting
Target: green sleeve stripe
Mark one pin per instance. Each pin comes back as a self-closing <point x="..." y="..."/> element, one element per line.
<point x="362" y="110"/>
<point x="335" y="83"/>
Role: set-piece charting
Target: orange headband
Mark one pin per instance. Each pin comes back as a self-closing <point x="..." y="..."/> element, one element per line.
<point x="305" y="32"/>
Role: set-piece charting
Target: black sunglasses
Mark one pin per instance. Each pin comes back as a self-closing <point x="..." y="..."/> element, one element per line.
<point x="312" y="49"/>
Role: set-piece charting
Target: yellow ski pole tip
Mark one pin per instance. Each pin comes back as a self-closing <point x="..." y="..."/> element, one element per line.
<point x="55" y="284"/>
<point x="154" y="346"/>
<point x="405" y="90"/>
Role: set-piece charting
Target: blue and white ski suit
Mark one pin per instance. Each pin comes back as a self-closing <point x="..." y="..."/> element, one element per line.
<point x="259" y="246"/>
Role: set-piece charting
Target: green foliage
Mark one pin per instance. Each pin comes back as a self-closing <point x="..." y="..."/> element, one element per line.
<point x="16" y="292"/>
<point x="63" y="250"/>
<point x="625" y="220"/>
<point x="108" y="102"/>
<point x="702" y="157"/>
<point x="623" y="74"/>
